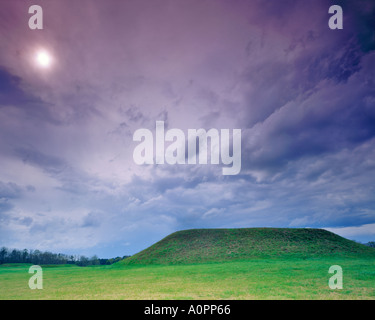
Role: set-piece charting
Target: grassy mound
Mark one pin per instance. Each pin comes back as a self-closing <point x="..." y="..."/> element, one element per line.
<point x="214" y="245"/>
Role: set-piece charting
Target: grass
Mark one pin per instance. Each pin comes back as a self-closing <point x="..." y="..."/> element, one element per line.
<point x="217" y="245"/>
<point x="258" y="263"/>
<point x="285" y="278"/>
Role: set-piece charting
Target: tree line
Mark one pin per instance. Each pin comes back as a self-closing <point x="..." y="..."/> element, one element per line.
<point x="45" y="257"/>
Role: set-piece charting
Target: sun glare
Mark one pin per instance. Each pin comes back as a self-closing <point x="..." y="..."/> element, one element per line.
<point x="43" y="59"/>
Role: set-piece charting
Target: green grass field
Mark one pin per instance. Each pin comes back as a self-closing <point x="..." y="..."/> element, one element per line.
<point x="252" y="279"/>
<point x="257" y="263"/>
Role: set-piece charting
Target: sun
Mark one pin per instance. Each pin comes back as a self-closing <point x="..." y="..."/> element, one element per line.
<point x="43" y="59"/>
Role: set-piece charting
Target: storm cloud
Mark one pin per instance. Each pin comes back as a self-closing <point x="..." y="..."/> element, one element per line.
<point x="302" y="94"/>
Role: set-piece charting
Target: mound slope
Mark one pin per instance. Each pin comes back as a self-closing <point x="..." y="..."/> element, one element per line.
<point x="214" y="245"/>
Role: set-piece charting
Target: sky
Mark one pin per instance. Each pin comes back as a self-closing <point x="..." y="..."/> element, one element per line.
<point x="302" y="94"/>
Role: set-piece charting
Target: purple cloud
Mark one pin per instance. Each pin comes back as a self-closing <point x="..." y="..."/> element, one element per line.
<point x="302" y="94"/>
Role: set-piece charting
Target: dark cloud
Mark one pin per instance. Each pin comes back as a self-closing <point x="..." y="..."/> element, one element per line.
<point x="91" y="220"/>
<point x="302" y="94"/>
<point x="70" y="179"/>
<point x="5" y="206"/>
<point x="134" y="114"/>
<point x="50" y="164"/>
<point x="10" y="190"/>
<point x="334" y="117"/>
<point x="12" y="94"/>
<point x="25" y="221"/>
<point x="9" y="88"/>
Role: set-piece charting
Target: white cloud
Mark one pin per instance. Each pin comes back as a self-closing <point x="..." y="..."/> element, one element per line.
<point x="366" y="230"/>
